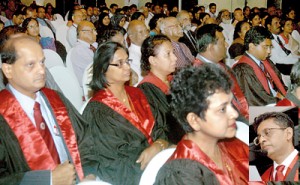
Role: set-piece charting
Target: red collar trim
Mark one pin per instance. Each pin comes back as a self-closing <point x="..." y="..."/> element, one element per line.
<point x="151" y="78"/>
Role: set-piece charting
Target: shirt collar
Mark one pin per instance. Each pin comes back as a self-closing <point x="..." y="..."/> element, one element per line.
<point x="287" y="162"/>
<point x="254" y="59"/>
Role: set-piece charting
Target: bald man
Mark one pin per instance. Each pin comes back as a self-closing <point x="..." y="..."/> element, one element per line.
<point x="83" y="51"/>
<point x="137" y="33"/>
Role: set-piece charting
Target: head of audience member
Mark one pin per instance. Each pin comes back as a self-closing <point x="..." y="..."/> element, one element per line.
<point x="275" y="131"/>
<point x="246" y="11"/>
<point x="86" y="31"/>
<point x="96" y="11"/>
<point x="290" y="13"/>
<point x="271" y="10"/>
<point x="118" y="20"/>
<point x="41" y="12"/>
<point x="255" y="19"/>
<point x="202" y="9"/>
<point x="156" y="21"/>
<point x="156" y="9"/>
<point x="113" y="7"/>
<point x="238" y="15"/>
<point x="30" y="12"/>
<point x="84" y="17"/>
<point x="89" y="11"/>
<point x="223" y="16"/>
<point x="31" y="26"/>
<point x="196" y="13"/>
<point x="104" y="10"/>
<point x="137" y="32"/>
<point x="158" y="56"/>
<point x="23" y="65"/>
<point x="295" y="80"/>
<point x="132" y="8"/>
<point x="49" y="9"/>
<point x="211" y="43"/>
<point x="171" y="27"/>
<point x="110" y="66"/>
<point x="201" y="102"/>
<point x="138" y="16"/>
<point x="210" y="21"/>
<point x="287" y="26"/>
<point x="1" y="25"/>
<point x="126" y="11"/>
<point x="203" y="17"/>
<point x="258" y="42"/>
<point x="115" y="34"/>
<point x="236" y="51"/>
<point x="8" y="32"/>
<point x="279" y="12"/>
<point x="263" y="16"/>
<point x="77" y="16"/>
<point x="255" y="10"/>
<point x="240" y="31"/>
<point x="184" y="19"/>
<point x="145" y="11"/>
<point x="104" y="19"/>
<point x="273" y="24"/>
<point x="18" y="17"/>
<point x="212" y="8"/>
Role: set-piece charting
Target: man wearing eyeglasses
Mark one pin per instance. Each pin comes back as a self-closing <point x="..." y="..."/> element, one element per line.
<point x="275" y="133"/>
<point x="83" y="51"/>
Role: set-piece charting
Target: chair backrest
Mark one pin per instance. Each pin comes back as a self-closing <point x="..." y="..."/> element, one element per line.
<point x="149" y="174"/>
<point x="61" y="35"/>
<point x="68" y="84"/>
<point x="86" y="79"/>
<point x="52" y="59"/>
<point x="69" y="64"/>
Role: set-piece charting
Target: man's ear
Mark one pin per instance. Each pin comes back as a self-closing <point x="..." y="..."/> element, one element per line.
<point x="194" y="121"/>
<point x="7" y="69"/>
<point x="290" y="134"/>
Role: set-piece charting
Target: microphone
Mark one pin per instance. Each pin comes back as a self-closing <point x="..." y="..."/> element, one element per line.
<point x="262" y="152"/>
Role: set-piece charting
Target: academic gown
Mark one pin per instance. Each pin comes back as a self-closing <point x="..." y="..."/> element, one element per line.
<point x="14" y="168"/>
<point x="157" y="94"/>
<point x="190" y="165"/>
<point x="119" y="136"/>
<point x="250" y="84"/>
<point x="290" y="100"/>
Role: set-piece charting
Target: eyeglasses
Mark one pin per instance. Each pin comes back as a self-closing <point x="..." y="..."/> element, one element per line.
<point x="32" y="26"/>
<point x="121" y="63"/>
<point x="92" y="30"/>
<point x="265" y="133"/>
<point x="174" y="26"/>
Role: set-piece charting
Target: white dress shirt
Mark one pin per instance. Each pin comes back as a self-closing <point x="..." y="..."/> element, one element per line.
<point x="135" y="54"/>
<point x="287" y="162"/>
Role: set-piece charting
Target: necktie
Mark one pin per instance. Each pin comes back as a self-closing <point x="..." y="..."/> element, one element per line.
<point x="279" y="173"/>
<point x="43" y="129"/>
<point x="287" y="52"/>
<point x="262" y="66"/>
<point x="92" y="48"/>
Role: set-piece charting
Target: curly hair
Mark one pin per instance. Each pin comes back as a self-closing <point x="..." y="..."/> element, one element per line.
<point x="191" y="88"/>
<point x="256" y="35"/>
<point x="149" y="48"/>
<point x="206" y="35"/>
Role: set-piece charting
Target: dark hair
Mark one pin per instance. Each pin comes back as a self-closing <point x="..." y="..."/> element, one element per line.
<point x="136" y="15"/>
<point x="102" y="9"/>
<point x="202" y="15"/>
<point x="211" y="5"/>
<point x="113" y="5"/>
<point x="206" y="35"/>
<point x="116" y="19"/>
<point x="27" y="21"/>
<point x="18" y="12"/>
<point x="108" y="34"/>
<point x="149" y="48"/>
<point x="38" y="7"/>
<point x="238" y="29"/>
<point x="252" y="15"/>
<point x="269" y="20"/>
<point x="191" y="88"/>
<point x="236" y="49"/>
<point x="256" y="35"/>
<point x="295" y="76"/>
<point x="283" y="21"/>
<point x="100" y="27"/>
<point x="132" y="6"/>
<point x="102" y="58"/>
<point x="154" y="19"/>
<point x="288" y="10"/>
<point x="50" y="5"/>
<point x="6" y="32"/>
<point x="279" y="118"/>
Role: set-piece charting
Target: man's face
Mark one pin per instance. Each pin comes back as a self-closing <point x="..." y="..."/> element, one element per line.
<point x="77" y="17"/>
<point x="226" y="15"/>
<point x="238" y="15"/>
<point x="31" y="14"/>
<point x="272" y="137"/>
<point x="272" y="10"/>
<point x="275" y="26"/>
<point x="88" y="33"/>
<point x="262" y="50"/>
<point x="89" y="11"/>
<point x="185" y="21"/>
<point x="157" y="9"/>
<point x="213" y="9"/>
<point x="41" y="13"/>
<point x="113" y="9"/>
<point x="27" y="74"/>
<point x="96" y="11"/>
<point x="173" y="28"/>
<point x="139" y="34"/>
<point x="218" y="50"/>
<point x="17" y="20"/>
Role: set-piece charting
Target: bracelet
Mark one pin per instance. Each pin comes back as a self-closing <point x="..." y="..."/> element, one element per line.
<point x="161" y="144"/>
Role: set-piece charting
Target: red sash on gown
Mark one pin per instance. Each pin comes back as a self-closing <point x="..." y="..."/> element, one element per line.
<point x="234" y="155"/>
<point x="33" y="146"/>
<point x="140" y="117"/>
<point x="239" y="100"/>
<point x="261" y="76"/>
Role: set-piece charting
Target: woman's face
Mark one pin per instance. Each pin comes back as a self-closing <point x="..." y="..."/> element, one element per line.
<point x="106" y="21"/>
<point x="245" y="27"/>
<point x="288" y="27"/>
<point x="205" y="18"/>
<point x="118" y="74"/>
<point x="256" y="21"/>
<point x="141" y="18"/>
<point x="122" y="22"/>
<point x="33" y="28"/>
<point x="49" y="10"/>
<point x="164" y="62"/>
<point x="291" y="14"/>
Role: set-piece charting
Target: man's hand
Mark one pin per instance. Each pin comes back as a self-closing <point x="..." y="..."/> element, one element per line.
<point x="64" y="174"/>
<point x="148" y="154"/>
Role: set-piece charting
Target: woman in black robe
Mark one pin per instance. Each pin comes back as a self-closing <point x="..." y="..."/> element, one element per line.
<point x="125" y="134"/>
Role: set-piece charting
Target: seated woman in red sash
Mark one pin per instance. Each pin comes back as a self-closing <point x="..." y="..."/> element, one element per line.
<point x="209" y="153"/>
<point x="158" y="62"/>
<point x="121" y="124"/>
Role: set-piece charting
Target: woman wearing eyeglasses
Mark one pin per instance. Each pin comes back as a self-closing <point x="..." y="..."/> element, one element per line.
<point x="158" y="61"/>
<point x="125" y="134"/>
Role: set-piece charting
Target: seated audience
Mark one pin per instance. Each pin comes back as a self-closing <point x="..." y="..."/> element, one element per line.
<point x="158" y="62"/>
<point x="286" y="38"/>
<point x="125" y="134"/>
<point x="240" y="31"/>
<point x="103" y="23"/>
<point x="209" y="153"/>
<point x="17" y="19"/>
